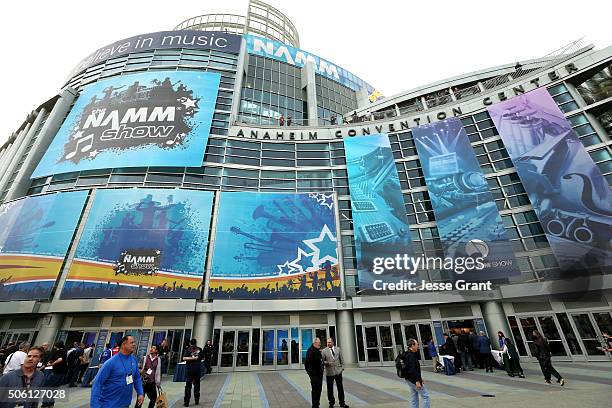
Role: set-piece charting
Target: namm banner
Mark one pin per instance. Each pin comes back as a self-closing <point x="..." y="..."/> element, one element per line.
<point x="275" y="246"/>
<point x="142" y="243"/>
<point x="572" y="199"/>
<point x="159" y="118"/>
<point x="35" y="233"/>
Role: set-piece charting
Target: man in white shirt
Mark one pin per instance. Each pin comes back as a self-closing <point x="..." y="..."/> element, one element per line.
<point x="15" y="360"/>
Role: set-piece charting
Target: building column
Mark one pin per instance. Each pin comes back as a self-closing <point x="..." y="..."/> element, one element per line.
<point x="308" y="82"/>
<point x="49" y="327"/>
<point x="345" y="336"/>
<point x="202" y="327"/>
<point x="495" y="318"/>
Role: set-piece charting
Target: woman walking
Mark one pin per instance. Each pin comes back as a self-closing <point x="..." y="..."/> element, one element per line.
<point x="544" y="358"/>
<point x="512" y="363"/>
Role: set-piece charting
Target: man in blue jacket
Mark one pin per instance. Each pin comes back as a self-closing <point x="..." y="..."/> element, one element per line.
<point x="484" y="349"/>
<point x="412" y="373"/>
<point x="116" y="379"/>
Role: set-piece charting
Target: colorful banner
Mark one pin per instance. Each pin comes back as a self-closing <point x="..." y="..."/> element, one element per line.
<point x="379" y="214"/>
<point x="467" y="218"/>
<point x="567" y="190"/>
<point x="35" y="233"/>
<point x="274" y="246"/>
<point x="142" y="243"/>
<point x="159" y="118"/>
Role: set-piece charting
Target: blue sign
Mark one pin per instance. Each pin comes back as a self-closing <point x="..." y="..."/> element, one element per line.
<point x="159" y="118"/>
<point x="294" y="56"/>
<point x="379" y="213"/>
<point x="275" y="245"/>
<point x="466" y="214"/>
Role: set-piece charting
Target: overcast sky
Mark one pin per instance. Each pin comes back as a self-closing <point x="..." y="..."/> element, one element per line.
<point x="393" y="45"/>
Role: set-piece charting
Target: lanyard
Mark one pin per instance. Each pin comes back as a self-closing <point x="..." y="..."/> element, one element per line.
<point x="131" y="369"/>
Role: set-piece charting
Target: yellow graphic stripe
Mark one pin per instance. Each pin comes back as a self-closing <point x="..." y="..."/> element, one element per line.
<point x="257" y="283"/>
<point x="84" y="270"/>
<point x="28" y="268"/>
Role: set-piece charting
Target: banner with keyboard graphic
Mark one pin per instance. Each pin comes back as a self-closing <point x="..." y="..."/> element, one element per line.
<point x="467" y="217"/>
<point x="569" y="194"/>
<point x="379" y="214"/>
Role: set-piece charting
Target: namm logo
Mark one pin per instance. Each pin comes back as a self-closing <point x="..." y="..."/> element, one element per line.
<point x="138" y="262"/>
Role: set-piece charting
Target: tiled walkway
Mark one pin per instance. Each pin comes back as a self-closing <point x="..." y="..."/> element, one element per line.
<point x="588" y="385"/>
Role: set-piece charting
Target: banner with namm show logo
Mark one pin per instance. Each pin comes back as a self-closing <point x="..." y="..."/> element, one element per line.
<point x="159" y="118"/>
<point x="142" y="243"/>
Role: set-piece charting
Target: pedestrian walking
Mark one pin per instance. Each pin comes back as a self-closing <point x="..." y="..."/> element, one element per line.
<point x="209" y="352"/>
<point x="84" y="362"/>
<point x="192" y="357"/>
<point x="23" y="379"/>
<point x="314" y="367"/>
<point x="473" y="338"/>
<point x="501" y="338"/>
<point x="164" y="354"/>
<point x="117" y="378"/>
<point x="59" y="370"/>
<point x="413" y="376"/>
<point x="511" y="359"/>
<point x="484" y="350"/>
<point x="151" y="375"/>
<point x="544" y="358"/>
<point x="15" y="360"/>
<point x="431" y="349"/>
<point x="334" y="366"/>
<point x="74" y="363"/>
<point x="465" y="345"/>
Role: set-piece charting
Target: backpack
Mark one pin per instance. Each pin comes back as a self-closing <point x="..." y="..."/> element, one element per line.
<point x="449" y="367"/>
<point x="400" y="365"/>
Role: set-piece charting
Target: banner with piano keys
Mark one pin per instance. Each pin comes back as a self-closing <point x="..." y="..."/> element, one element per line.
<point x="567" y="190"/>
<point x="466" y="214"/>
<point x="275" y="246"/>
<point x="380" y="223"/>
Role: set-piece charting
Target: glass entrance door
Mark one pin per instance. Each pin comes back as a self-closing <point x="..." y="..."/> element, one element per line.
<point x="548" y="326"/>
<point x="590" y="327"/>
<point x="422" y="333"/>
<point x="379" y="345"/>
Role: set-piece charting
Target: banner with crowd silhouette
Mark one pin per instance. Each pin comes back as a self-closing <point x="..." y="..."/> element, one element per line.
<point x="275" y="246"/>
<point x="467" y="217"/>
<point x="569" y="194"/>
<point x="35" y="233"/>
<point x="159" y="118"/>
<point x="142" y="243"/>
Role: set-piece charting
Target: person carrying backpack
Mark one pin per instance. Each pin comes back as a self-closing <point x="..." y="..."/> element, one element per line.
<point x="412" y="372"/>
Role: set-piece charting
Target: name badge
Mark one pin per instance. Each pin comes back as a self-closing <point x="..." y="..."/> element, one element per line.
<point x="128" y="379"/>
<point x="149" y="371"/>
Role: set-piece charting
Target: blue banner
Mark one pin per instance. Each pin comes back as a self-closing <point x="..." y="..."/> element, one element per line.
<point x="35" y="233"/>
<point x="466" y="215"/>
<point x="275" y="245"/>
<point x="142" y="243"/>
<point x="379" y="214"/>
<point x="569" y="194"/>
<point x="159" y="118"/>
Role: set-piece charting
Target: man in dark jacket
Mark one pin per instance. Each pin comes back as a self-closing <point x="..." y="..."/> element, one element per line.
<point x="413" y="375"/>
<point x="192" y="357"/>
<point x="25" y="378"/>
<point x="484" y="349"/>
<point x="314" y="367"/>
<point x="209" y="352"/>
<point x="466" y="352"/>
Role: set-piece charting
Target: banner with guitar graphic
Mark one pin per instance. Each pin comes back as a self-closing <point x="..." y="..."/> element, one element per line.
<point x="275" y="246"/>
<point x="35" y="233"/>
<point x="379" y="213"/>
<point x="567" y="190"/>
<point x="142" y="243"/>
<point x="159" y="118"/>
<point x="468" y="221"/>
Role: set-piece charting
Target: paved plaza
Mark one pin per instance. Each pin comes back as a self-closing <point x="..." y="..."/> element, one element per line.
<point x="588" y="385"/>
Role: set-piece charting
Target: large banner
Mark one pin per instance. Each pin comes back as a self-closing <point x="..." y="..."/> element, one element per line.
<point x="159" y="118"/>
<point x="468" y="221"/>
<point x="274" y="246"/>
<point x="380" y="223"/>
<point x="567" y="190"/>
<point x="142" y="243"/>
<point x="35" y="233"/>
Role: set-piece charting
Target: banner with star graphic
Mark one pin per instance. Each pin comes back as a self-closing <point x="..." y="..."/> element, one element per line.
<point x="142" y="243"/>
<point x="159" y="118"/>
<point x="35" y="233"/>
<point x="275" y="246"/>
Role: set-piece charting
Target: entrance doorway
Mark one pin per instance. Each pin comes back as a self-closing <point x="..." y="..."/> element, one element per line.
<point x="380" y="345"/>
<point x="422" y="333"/>
<point x="235" y="350"/>
<point x="590" y="327"/>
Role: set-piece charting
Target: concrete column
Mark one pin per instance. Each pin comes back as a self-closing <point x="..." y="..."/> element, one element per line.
<point x="51" y="324"/>
<point x="308" y="82"/>
<point x="46" y="135"/>
<point x="601" y="131"/>
<point x="243" y="60"/>
<point x="345" y="336"/>
<point x="495" y="318"/>
<point x="202" y="327"/>
<point x="20" y="143"/>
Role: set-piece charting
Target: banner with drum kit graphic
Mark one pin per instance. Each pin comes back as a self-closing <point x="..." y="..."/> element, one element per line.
<point x="275" y="246"/>
<point x="567" y="190"/>
<point x="468" y="220"/>
<point x="159" y="118"/>
<point x="377" y="204"/>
